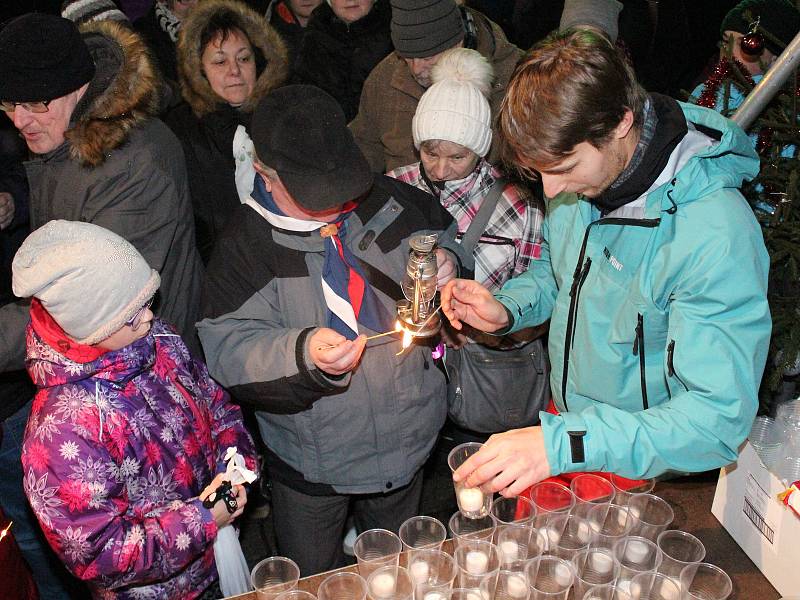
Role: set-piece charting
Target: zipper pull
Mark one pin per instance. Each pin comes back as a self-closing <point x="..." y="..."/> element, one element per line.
<point x="670" y="352"/>
<point x="638" y="333"/>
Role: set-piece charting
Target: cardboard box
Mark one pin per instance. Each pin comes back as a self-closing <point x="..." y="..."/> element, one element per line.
<point x="746" y="504"/>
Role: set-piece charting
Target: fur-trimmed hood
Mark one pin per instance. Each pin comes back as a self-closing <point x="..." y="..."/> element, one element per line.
<point x="122" y="95"/>
<point x="194" y="85"/>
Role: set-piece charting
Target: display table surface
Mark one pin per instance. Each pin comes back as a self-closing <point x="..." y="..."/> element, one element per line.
<point x="691" y="499"/>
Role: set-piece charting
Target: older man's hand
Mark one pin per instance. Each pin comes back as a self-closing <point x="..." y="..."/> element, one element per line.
<point x="508" y="462"/>
<point x="6" y="209"/>
<point x="333" y="353"/>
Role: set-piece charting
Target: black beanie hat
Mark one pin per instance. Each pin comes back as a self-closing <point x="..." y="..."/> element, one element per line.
<point x="42" y="57"/>
<point x="423" y="28"/>
<point x="301" y="132"/>
<point x="777" y="17"/>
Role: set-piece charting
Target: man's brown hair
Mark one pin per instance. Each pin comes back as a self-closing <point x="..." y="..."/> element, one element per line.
<point x="573" y="87"/>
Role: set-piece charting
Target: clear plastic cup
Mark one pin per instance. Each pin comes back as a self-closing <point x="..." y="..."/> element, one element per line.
<point x="655" y="586"/>
<point x="589" y="490"/>
<point x="610" y="523"/>
<point x="628" y="488"/>
<point x="464" y="528"/>
<point x="551" y="497"/>
<point x="550" y="577"/>
<point x="766" y="437"/>
<point x="456" y="594"/>
<point x="567" y="534"/>
<point x="376" y="548"/>
<point x="472" y="502"/>
<point x="343" y="586"/>
<point x="678" y="549"/>
<point x="511" y="585"/>
<point x="433" y="570"/>
<point x="654" y="515"/>
<point x="476" y="560"/>
<point x="635" y="555"/>
<point x="417" y="533"/>
<point x="518" y="545"/>
<point x="390" y="583"/>
<point x="508" y="511"/>
<point x="788" y="415"/>
<point x="704" y="581"/>
<point x="296" y="595"/>
<point x="609" y="591"/>
<point x="273" y="576"/>
<point x="593" y="566"/>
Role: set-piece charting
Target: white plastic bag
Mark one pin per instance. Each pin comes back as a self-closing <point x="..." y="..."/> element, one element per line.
<point x="234" y="577"/>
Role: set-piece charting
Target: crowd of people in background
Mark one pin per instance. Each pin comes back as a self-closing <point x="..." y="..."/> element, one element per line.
<point x="235" y="183"/>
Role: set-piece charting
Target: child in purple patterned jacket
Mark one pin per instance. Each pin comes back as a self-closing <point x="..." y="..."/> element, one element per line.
<point x="128" y="432"/>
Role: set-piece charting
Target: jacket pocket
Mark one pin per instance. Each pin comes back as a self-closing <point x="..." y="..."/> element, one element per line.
<point x="671" y="372"/>
<point x="639" y="350"/>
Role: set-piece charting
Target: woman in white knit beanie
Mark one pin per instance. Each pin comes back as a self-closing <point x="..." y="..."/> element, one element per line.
<point x="452" y="131"/>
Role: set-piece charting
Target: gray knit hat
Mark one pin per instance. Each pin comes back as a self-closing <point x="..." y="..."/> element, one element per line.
<point x="89" y="279"/>
<point x="85" y="11"/>
<point x="422" y="28"/>
<point x="601" y="14"/>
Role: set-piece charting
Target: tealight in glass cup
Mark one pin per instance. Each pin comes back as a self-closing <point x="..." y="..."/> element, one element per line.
<point x="567" y="534"/>
<point x="273" y="576"/>
<point x="549" y="577"/>
<point x="376" y="548"/>
<point x="390" y="583"/>
<point x="678" y="549"/>
<point x="477" y="560"/>
<point x="655" y="586"/>
<point x="635" y="555"/>
<point x="518" y="544"/>
<point x="590" y="490"/>
<point x="472" y="502"/>
<point x="464" y="528"/>
<point x="704" y="581"/>
<point x="593" y="566"/>
<point x="343" y="586"/>
<point x="419" y="533"/>
<point x="432" y="570"/>
<point x="511" y="585"/>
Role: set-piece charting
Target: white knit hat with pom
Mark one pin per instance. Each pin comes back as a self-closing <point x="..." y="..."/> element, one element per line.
<point x="455" y="108"/>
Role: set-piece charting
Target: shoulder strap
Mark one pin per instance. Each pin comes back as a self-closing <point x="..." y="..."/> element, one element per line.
<point x="478" y="225"/>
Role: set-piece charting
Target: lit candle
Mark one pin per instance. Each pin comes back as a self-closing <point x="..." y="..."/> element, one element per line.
<point x="636" y="551"/>
<point x="476" y="562"/>
<point x="470" y="500"/>
<point x="382" y="585"/>
<point x="420" y="571"/>
<point x="516" y="586"/>
<point x="509" y="550"/>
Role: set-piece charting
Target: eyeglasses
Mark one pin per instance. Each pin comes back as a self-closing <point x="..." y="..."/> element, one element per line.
<point x="34" y="107"/>
<point x="136" y="319"/>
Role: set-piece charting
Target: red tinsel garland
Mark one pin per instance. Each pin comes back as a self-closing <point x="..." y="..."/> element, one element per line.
<point x="708" y="97"/>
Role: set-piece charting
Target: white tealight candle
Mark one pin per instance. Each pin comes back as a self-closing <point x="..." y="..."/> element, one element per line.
<point x="382" y="585"/>
<point x="553" y="537"/>
<point x="636" y="551"/>
<point x="510" y="550"/>
<point x="433" y="596"/>
<point x="584" y="533"/>
<point x="420" y="571"/>
<point x="516" y="586"/>
<point x="563" y="575"/>
<point x="470" y="499"/>
<point x="476" y="562"/>
<point x="602" y="563"/>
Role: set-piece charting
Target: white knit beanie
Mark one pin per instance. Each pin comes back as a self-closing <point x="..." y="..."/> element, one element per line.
<point x="89" y="279"/>
<point x="455" y="108"/>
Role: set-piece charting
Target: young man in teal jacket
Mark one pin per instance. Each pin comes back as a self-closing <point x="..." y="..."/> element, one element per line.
<point x="653" y="275"/>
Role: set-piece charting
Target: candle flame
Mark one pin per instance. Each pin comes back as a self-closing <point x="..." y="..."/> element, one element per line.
<point x="407" y="337"/>
<point x="397" y="326"/>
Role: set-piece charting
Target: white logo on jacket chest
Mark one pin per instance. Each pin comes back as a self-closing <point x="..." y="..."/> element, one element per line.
<point x="612" y="259"/>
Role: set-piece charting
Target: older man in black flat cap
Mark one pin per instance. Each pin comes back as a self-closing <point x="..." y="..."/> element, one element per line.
<point x="309" y="267"/>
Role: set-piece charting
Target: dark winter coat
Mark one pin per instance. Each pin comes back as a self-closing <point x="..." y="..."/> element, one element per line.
<point x="389" y="100"/>
<point x="206" y="127"/>
<point x="338" y="57"/>
<point x="160" y="43"/>
<point x="117" y="450"/>
<point x="285" y="23"/>
<point x="122" y="169"/>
